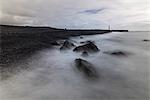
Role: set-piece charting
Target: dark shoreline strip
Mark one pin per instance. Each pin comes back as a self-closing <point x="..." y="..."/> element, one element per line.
<point x="18" y="42"/>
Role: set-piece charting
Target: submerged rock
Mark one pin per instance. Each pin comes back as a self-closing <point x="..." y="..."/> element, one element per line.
<point x="89" y="47"/>
<point x="81" y="37"/>
<point x="117" y="53"/>
<point x="67" y="45"/>
<point x="85" y="42"/>
<point x="85" y="53"/>
<point x="86" y="68"/>
<point x="146" y="40"/>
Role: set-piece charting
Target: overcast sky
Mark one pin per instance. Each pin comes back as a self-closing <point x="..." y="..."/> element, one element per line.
<point x="125" y="14"/>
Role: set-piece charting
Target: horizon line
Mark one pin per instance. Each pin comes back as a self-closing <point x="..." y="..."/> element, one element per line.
<point x="69" y="28"/>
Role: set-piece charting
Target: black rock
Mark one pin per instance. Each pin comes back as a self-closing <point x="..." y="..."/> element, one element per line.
<point x="146" y="40"/>
<point x="86" y="68"/>
<point x="55" y="43"/>
<point x="82" y="42"/>
<point x="85" y="42"/>
<point x="85" y="53"/>
<point x="81" y="37"/>
<point x="67" y="45"/>
<point x="89" y="47"/>
<point x="117" y="53"/>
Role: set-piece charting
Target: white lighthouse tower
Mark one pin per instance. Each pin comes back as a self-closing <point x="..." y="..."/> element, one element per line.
<point x="109" y="27"/>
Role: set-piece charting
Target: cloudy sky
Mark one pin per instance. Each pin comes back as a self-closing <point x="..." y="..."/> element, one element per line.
<point x="125" y="14"/>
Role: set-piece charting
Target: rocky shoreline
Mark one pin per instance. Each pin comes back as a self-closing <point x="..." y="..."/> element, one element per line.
<point x="19" y="42"/>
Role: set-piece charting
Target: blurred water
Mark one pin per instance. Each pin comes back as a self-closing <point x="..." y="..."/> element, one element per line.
<point x="54" y="77"/>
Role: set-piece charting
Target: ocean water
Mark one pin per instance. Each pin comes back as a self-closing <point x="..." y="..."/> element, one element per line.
<point x="53" y="75"/>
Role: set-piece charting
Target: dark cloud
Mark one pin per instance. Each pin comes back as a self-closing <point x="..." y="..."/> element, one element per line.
<point x="17" y="20"/>
<point x="93" y="11"/>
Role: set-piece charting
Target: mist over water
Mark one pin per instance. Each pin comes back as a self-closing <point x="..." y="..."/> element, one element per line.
<point x="54" y="77"/>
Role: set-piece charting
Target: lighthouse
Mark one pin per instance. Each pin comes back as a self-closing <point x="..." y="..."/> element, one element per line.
<point x="109" y="27"/>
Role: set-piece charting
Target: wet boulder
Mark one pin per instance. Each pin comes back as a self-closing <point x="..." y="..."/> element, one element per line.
<point x="86" y="68"/>
<point x="67" y="45"/>
<point x="85" y="53"/>
<point x="89" y="47"/>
